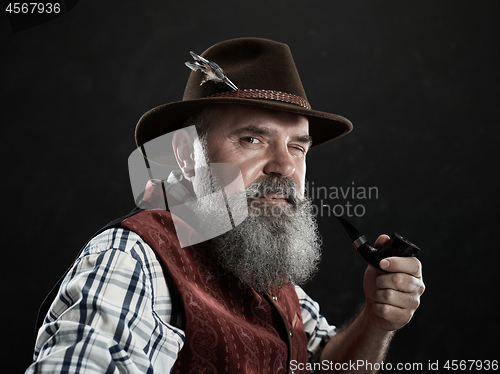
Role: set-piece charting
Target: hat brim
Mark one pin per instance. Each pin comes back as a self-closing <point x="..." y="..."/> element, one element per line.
<point x="323" y="127"/>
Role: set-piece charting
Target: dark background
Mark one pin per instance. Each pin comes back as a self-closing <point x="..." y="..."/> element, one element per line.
<point x="418" y="79"/>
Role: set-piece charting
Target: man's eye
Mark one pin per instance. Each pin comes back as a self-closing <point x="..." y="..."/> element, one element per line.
<point x="299" y="150"/>
<point x="250" y="139"/>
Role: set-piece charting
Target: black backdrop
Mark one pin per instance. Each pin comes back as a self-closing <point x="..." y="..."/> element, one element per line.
<point x="419" y="80"/>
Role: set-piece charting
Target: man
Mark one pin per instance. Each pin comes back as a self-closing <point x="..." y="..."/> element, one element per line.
<point x="217" y="291"/>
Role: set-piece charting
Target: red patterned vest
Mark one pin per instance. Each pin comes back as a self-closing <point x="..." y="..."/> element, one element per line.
<point x="228" y="329"/>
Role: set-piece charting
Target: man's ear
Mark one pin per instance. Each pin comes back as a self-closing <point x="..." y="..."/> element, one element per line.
<point x="182" y="144"/>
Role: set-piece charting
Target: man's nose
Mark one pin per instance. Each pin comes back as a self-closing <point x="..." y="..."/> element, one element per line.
<point x="280" y="162"/>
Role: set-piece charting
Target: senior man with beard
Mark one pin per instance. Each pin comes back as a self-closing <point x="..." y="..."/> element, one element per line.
<point x="138" y="299"/>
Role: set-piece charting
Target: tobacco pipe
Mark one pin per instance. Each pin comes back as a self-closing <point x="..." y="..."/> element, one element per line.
<point x="396" y="246"/>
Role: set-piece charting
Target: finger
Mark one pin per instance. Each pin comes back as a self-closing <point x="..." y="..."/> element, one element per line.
<point x="381" y="240"/>
<point x="398" y="299"/>
<point x="408" y="265"/>
<point x="397" y="317"/>
<point x="400" y="282"/>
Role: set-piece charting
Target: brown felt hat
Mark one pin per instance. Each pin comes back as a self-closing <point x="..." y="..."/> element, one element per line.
<point x="264" y="74"/>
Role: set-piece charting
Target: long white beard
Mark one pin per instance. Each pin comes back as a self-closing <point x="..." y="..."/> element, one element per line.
<point x="277" y="244"/>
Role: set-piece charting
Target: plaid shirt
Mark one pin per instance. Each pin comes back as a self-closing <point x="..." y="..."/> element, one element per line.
<point x="114" y="314"/>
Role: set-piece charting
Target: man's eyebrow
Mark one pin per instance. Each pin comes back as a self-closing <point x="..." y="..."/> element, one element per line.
<point x="261" y="130"/>
<point x="257" y="130"/>
<point x="306" y="139"/>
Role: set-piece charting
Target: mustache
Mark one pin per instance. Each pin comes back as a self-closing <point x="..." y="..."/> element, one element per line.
<point x="275" y="185"/>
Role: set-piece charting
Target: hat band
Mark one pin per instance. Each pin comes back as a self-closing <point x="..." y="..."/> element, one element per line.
<point x="265" y="94"/>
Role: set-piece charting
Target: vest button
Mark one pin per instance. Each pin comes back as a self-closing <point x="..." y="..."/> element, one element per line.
<point x="275" y="298"/>
<point x="291" y="334"/>
<point x="293" y="371"/>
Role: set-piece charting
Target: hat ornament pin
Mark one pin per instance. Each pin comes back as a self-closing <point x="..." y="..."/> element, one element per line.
<point x="264" y="75"/>
<point x="213" y="71"/>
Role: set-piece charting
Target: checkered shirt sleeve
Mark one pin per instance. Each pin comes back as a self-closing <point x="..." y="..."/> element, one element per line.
<point x="318" y="330"/>
<point x="113" y="314"/>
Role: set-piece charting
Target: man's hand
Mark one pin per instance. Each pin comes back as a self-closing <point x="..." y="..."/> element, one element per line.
<point x="393" y="296"/>
<point x="391" y="299"/>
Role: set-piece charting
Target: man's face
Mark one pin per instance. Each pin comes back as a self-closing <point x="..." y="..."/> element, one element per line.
<point x="261" y="143"/>
<point x="278" y="242"/>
